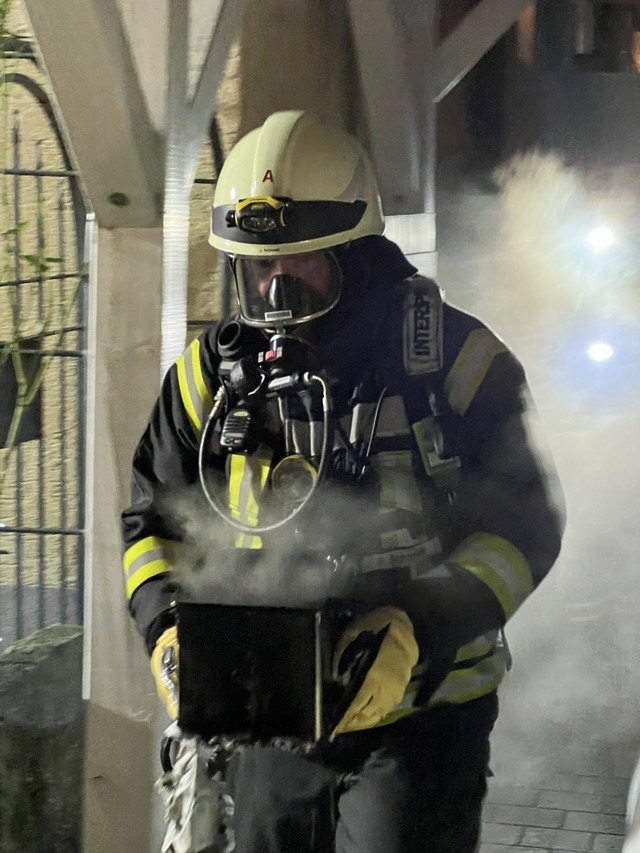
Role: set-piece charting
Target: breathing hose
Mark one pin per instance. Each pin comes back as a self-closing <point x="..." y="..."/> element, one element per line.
<point x="274" y="386"/>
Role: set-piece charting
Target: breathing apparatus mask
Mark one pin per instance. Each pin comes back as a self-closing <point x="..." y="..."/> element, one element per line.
<point x="281" y="292"/>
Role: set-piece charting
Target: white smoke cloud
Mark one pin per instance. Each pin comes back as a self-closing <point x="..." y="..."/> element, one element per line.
<point x="303" y="566"/>
<point x="518" y="260"/>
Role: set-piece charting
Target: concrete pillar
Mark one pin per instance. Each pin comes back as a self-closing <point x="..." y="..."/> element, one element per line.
<point x="296" y="56"/>
<point x="121" y="763"/>
<point x="137" y="153"/>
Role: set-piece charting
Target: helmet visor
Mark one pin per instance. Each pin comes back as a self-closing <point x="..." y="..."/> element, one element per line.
<point x="286" y="290"/>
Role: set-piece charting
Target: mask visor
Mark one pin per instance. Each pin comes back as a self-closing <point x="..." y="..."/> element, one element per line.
<point x="285" y="291"/>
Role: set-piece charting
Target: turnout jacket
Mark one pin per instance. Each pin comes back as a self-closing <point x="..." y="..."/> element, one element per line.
<point x="468" y="516"/>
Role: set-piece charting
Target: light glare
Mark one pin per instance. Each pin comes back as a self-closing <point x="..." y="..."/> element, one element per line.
<point x="600" y="351"/>
<point x="600" y="238"/>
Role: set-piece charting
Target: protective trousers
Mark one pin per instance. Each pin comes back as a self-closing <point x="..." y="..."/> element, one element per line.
<point x="411" y="787"/>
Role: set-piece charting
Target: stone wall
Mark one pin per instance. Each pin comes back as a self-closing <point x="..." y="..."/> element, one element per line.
<point x="41" y="742"/>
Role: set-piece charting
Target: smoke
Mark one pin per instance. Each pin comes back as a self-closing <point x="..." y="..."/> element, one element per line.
<point x="302" y="565"/>
<point x="525" y="258"/>
<point x="518" y="258"/>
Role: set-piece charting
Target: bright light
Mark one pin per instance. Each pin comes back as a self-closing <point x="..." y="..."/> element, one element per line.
<point x="600" y="238"/>
<point x="600" y="351"/>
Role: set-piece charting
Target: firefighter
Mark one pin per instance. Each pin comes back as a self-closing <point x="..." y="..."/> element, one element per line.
<point x="467" y="514"/>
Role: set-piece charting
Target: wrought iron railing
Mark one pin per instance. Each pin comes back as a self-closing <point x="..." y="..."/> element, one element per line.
<point x="43" y="292"/>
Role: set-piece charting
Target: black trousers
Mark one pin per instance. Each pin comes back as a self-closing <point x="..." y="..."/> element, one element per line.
<point x="416" y="786"/>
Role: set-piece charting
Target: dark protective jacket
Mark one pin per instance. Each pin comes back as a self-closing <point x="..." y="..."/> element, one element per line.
<point x="467" y="513"/>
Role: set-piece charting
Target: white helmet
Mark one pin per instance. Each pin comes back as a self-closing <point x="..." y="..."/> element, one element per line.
<point x="289" y="187"/>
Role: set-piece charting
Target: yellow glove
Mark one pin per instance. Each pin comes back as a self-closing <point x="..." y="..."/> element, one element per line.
<point x="164" y="666"/>
<point x="388" y="676"/>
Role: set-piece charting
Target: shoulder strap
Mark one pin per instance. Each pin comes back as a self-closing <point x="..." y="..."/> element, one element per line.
<point x="422" y="326"/>
<point x="423" y="355"/>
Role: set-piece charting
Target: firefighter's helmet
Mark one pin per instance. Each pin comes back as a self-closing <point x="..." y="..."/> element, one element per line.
<point x="288" y="188"/>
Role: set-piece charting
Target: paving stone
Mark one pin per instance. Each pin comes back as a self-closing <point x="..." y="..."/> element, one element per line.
<point x="589" y="822"/>
<point x="500" y="833"/>
<point x="586" y="762"/>
<point x="564" y="839"/>
<point x="579" y="802"/>
<point x="607" y="844"/>
<point x="624" y="765"/>
<point x="502" y="848"/>
<point x="523" y="815"/>
<point x="574" y="804"/>
<point x="608" y="785"/>
<point x="511" y="795"/>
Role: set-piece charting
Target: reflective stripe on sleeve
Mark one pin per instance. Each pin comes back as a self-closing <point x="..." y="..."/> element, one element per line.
<point x="499" y="565"/>
<point x="460" y="686"/>
<point x="470" y="368"/>
<point x="465" y="685"/>
<point x="146" y="559"/>
<point x="247" y="479"/>
<point x="477" y="648"/>
<point x="193" y="390"/>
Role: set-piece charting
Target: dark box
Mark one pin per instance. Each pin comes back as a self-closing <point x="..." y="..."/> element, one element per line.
<point x="254" y="672"/>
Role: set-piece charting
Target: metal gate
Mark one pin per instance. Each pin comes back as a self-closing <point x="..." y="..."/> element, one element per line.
<point x="43" y="290"/>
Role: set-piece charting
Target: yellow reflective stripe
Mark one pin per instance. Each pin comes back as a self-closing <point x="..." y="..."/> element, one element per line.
<point x="499" y="565"/>
<point x="247" y="479"/>
<point x="470" y="368"/>
<point x="144" y="560"/>
<point x="140" y="548"/>
<point x="393" y="421"/>
<point x="465" y="685"/>
<point x="398" y="485"/>
<point x="478" y="647"/>
<point x="193" y="390"/>
<point x="245" y="541"/>
<point x="394" y="716"/>
<point x="150" y="570"/>
<point x="461" y="685"/>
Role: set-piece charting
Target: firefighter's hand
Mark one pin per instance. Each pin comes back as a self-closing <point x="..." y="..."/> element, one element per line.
<point x="164" y="666"/>
<point x="390" y="630"/>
